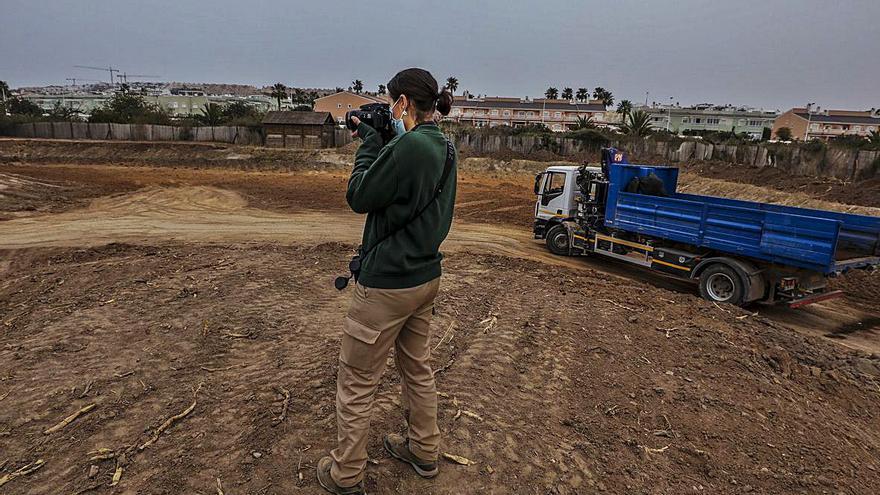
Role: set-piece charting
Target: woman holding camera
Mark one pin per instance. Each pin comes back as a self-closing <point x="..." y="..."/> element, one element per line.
<point x="407" y="189"/>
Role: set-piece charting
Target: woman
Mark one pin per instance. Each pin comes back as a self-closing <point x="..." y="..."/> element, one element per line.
<point x="407" y="190"/>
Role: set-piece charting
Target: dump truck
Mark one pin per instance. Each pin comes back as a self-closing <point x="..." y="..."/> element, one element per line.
<point x="738" y="252"/>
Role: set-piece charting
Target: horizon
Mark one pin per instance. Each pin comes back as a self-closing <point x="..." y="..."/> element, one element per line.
<point x="775" y="57"/>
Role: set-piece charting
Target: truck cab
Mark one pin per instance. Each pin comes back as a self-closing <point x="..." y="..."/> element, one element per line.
<point x="557" y="191"/>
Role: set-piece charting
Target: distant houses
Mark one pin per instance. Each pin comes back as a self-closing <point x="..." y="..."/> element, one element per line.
<point x="826" y="124"/>
<point x="706" y="118"/>
<point x="340" y="103"/>
<point x="557" y="115"/>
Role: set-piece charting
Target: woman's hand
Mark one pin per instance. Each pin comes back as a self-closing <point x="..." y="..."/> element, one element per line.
<point x="356" y="121"/>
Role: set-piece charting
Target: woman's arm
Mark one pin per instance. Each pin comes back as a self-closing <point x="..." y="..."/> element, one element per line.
<point x="373" y="182"/>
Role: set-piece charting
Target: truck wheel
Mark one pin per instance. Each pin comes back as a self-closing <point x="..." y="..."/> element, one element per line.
<point x="557" y="240"/>
<point x="720" y="283"/>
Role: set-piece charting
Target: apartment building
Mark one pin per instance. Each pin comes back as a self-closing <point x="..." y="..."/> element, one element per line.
<point x="340" y="103"/>
<point x="826" y="124"/>
<point x="707" y="117"/>
<point x="558" y="115"/>
<point x="176" y="105"/>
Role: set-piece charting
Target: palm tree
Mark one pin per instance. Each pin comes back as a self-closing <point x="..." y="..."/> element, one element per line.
<point x="639" y="124"/>
<point x="212" y="114"/>
<point x="452" y="83"/>
<point x="381" y="89"/>
<point x="624" y="108"/>
<point x="279" y="91"/>
<point x="584" y="123"/>
<point x="551" y="93"/>
<point x="604" y="96"/>
<point x="567" y="94"/>
<point x="357" y="85"/>
<point x="582" y="94"/>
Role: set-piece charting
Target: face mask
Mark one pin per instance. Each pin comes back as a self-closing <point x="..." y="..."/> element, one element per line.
<point x="397" y="124"/>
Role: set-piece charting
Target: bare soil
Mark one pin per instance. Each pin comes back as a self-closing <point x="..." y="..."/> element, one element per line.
<point x="864" y="193"/>
<point x="147" y="290"/>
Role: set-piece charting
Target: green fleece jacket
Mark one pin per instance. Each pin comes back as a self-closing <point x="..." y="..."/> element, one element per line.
<point x="391" y="184"/>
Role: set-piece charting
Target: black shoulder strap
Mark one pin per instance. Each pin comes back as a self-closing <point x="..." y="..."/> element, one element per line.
<point x="447" y="169"/>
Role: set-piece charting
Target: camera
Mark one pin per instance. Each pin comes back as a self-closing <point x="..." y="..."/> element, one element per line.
<point x="375" y="115"/>
<point x="354" y="266"/>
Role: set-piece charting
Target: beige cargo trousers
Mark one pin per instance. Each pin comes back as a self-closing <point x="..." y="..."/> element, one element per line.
<point x="377" y="320"/>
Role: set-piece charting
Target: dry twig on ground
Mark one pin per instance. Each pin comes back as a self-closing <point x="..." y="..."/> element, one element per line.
<point x="168" y="422"/>
<point x="30" y="468"/>
<point x="66" y="421"/>
<point x="284" y="404"/>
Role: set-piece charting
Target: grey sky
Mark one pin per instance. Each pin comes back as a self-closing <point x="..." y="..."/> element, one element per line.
<point x="770" y="53"/>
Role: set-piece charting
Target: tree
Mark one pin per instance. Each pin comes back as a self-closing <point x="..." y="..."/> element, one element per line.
<point x="357" y="85"/>
<point x="22" y="106"/>
<point x="582" y="94"/>
<point x="61" y="113"/>
<point x="638" y="124"/>
<point x="624" y="108"/>
<point x="279" y="91"/>
<point x="551" y="93"/>
<point x="567" y="94"/>
<point x="874" y="137"/>
<point x="381" y="89"/>
<point x="129" y="108"/>
<point x="4" y="90"/>
<point x="584" y="123"/>
<point x="212" y="114"/>
<point x="241" y="112"/>
<point x="452" y="83"/>
<point x="339" y="90"/>
<point x="783" y="134"/>
<point x="604" y="96"/>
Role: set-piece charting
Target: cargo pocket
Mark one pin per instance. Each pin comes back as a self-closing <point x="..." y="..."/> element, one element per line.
<point x="359" y="349"/>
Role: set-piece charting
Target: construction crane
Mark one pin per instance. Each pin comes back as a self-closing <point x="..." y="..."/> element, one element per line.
<point x="109" y="69"/>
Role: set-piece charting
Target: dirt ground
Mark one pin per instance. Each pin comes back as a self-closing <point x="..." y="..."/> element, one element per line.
<point x="150" y="292"/>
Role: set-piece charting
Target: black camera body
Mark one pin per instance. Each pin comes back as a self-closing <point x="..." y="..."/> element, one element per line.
<point x="354" y="266"/>
<point x="375" y="115"/>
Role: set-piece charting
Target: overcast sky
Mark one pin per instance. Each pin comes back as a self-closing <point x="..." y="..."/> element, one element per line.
<point x="766" y="53"/>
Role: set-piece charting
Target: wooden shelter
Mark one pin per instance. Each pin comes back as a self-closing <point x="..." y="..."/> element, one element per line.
<point x="295" y="129"/>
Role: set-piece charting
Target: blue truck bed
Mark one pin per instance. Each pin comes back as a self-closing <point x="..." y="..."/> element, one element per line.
<point x="817" y="240"/>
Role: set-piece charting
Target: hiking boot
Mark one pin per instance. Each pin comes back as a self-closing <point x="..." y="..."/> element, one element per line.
<point x="327" y="482"/>
<point x="398" y="447"/>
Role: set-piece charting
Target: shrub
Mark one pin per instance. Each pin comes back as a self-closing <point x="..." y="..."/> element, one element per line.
<point x="589" y="138"/>
<point x="783" y="134"/>
<point x="814" y="146"/>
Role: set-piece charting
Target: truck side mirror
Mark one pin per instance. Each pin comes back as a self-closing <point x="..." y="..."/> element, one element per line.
<point x="538" y="182"/>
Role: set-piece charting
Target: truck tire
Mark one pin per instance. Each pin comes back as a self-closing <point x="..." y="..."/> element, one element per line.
<point x="721" y="284"/>
<point x="557" y="240"/>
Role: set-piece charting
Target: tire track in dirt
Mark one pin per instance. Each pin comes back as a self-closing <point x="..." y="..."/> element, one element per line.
<point x="204" y="214"/>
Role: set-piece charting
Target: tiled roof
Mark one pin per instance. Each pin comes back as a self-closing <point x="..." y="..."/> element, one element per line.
<point x="377" y="99"/>
<point x="298" y="118"/>
<point x="840" y="119"/>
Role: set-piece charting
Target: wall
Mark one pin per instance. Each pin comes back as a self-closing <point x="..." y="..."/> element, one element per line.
<point x="829" y="161"/>
<point x="138" y="132"/>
